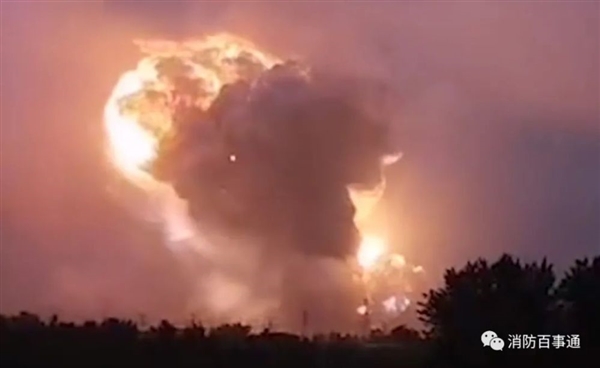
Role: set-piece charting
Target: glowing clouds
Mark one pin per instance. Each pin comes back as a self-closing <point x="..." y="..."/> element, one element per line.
<point x="142" y="108"/>
<point x="236" y="144"/>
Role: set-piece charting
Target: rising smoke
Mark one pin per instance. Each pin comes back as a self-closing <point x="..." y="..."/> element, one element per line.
<point x="260" y="166"/>
<point x="272" y="158"/>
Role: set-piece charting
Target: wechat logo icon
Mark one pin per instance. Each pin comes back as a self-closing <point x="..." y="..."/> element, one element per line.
<point x="491" y="339"/>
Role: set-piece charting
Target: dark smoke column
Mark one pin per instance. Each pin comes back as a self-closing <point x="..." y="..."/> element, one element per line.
<point x="271" y="160"/>
<point x="296" y="144"/>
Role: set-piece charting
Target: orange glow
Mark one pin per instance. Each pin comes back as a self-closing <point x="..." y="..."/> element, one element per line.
<point x="130" y="146"/>
<point x="138" y="113"/>
<point x="134" y="134"/>
<point x="377" y="262"/>
<point x="371" y="250"/>
<point x="136" y="125"/>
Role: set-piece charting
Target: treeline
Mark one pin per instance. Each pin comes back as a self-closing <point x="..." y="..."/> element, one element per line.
<point x="514" y="299"/>
<point x="507" y="296"/>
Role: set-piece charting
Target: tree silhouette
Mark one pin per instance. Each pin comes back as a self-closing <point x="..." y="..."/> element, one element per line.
<point x="505" y="297"/>
<point x="235" y="331"/>
<point x="165" y="330"/>
<point x="580" y="291"/>
<point x="404" y="334"/>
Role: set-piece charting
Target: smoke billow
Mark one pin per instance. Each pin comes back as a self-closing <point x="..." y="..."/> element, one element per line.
<point x="273" y="156"/>
<point x="272" y="167"/>
<point x="268" y="159"/>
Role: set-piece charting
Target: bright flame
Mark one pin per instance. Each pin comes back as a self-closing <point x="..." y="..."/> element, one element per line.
<point x="362" y="310"/>
<point x="371" y="250"/>
<point x="394" y="304"/>
<point x="390" y="304"/>
<point x="379" y="267"/>
<point x="135" y="123"/>
<point x="397" y="261"/>
<point x="130" y="145"/>
<point x="134" y="134"/>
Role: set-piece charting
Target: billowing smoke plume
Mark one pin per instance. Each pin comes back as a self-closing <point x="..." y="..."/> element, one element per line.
<point x="273" y="155"/>
<point x="257" y="166"/>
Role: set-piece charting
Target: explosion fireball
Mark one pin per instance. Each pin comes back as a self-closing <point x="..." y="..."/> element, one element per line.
<point x="268" y="116"/>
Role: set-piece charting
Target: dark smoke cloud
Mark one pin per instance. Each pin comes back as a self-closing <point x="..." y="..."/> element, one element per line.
<point x="297" y="143"/>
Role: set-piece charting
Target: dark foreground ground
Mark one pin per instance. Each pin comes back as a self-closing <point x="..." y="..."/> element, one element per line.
<point x="524" y="304"/>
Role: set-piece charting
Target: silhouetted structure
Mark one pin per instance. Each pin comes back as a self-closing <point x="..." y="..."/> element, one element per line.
<point x="506" y="297"/>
